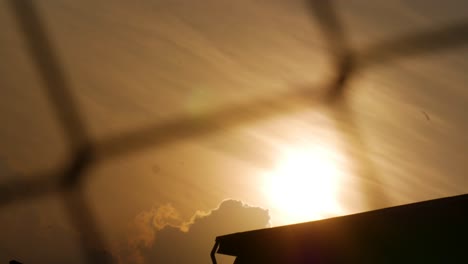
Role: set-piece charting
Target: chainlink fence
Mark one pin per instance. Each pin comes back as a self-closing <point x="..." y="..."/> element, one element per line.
<point x="67" y="179"/>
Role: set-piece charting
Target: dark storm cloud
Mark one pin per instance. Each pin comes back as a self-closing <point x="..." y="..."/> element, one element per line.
<point x="191" y="242"/>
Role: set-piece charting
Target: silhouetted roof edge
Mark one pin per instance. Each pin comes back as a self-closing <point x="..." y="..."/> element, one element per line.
<point x="439" y="217"/>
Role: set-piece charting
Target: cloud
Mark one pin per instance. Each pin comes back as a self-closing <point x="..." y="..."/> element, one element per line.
<point x="39" y="233"/>
<point x="142" y="231"/>
<point x="191" y="241"/>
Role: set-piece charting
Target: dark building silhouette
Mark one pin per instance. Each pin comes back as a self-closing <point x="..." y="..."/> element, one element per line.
<point x="434" y="231"/>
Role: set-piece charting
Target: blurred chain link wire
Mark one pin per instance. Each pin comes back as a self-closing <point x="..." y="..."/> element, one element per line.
<point x="85" y="152"/>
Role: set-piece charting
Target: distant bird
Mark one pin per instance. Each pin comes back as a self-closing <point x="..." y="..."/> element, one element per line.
<point x="426" y="115"/>
<point x="156" y="169"/>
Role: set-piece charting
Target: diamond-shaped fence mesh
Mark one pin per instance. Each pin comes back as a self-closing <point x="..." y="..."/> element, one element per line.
<point x="85" y="151"/>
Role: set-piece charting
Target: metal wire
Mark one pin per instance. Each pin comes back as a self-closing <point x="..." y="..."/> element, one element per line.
<point x="85" y="152"/>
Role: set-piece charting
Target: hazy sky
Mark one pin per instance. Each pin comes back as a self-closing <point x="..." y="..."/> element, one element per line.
<point x="137" y="64"/>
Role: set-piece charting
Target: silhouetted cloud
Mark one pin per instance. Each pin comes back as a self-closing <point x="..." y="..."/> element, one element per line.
<point x="37" y="233"/>
<point x="175" y="241"/>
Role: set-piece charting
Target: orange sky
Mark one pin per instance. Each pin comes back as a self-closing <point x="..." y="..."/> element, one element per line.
<point x="135" y="65"/>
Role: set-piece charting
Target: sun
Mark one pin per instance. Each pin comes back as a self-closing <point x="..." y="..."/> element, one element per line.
<point x="304" y="185"/>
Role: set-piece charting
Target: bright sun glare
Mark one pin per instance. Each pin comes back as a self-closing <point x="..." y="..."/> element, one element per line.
<point x="304" y="185"/>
